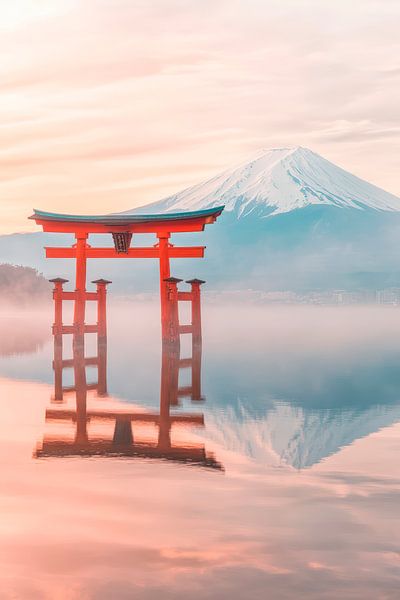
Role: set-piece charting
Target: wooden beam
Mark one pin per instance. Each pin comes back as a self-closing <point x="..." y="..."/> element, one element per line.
<point x="181" y="226"/>
<point x="185" y="363"/>
<point x="91" y="328"/>
<point x="195" y="454"/>
<point x="185" y="329"/>
<point x="70" y="415"/>
<point x="187" y="296"/>
<point x="173" y="252"/>
<point x="91" y="296"/>
<point x="67" y="363"/>
<point x="185" y="391"/>
<point x="73" y="329"/>
<point x="72" y="295"/>
<point x="71" y="389"/>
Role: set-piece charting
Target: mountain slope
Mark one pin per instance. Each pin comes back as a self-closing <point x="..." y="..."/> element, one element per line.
<point x="279" y="181"/>
<point x="295" y="436"/>
<point x="292" y="221"/>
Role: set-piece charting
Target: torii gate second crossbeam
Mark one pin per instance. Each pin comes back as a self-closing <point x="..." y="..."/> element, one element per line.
<point x="122" y="227"/>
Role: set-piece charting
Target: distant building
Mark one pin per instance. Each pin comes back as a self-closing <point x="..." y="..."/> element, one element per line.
<point x="388" y="296"/>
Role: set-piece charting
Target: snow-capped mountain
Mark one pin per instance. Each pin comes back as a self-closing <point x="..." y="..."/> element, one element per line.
<point x="279" y="181"/>
<point x="292" y="221"/>
<point x="295" y="436"/>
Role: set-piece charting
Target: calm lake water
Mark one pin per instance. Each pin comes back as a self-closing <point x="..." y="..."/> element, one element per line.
<point x="278" y="479"/>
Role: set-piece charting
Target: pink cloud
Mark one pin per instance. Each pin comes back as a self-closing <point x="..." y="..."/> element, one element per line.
<point x="188" y="85"/>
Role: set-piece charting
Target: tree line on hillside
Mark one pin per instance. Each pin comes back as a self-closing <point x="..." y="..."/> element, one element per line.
<point x="23" y="285"/>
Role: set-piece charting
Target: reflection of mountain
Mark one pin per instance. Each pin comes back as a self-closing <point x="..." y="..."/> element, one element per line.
<point x="275" y="394"/>
<point x="298" y="406"/>
<point x="296" y="436"/>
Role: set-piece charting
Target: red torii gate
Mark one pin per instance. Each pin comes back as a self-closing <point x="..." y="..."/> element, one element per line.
<point x="123" y="440"/>
<point x="122" y="227"/>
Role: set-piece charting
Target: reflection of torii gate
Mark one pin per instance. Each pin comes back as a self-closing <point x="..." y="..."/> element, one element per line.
<point x="123" y="441"/>
<point x="122" y="227"/>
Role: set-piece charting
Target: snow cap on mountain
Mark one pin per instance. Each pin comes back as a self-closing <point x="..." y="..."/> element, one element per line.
<point x="278" y="181"/>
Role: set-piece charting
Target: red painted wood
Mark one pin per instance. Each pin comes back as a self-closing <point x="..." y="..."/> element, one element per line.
<point x="69" y="362"/>
<point x="188" y="225"/>
<point x="84" y="329"/>
<point x="163" y="248"/>
<point x="80" y="285"/>
<point x="72" y="389"/>
<point x="57" y="296"/>
<point x="68" y="295"/>
<point x="143" y="417"/>
<point x="174" y="252"/>
<point x="162" y="226"/>
<point x="196" y="310"/>
<point x="185" y="329"/>
<point x="188" y="453"/>
<point x="185" y="296"/>
<point x="185" y="391"/>
<point x="173" y="330"/>
<point x="185" y="363"/>
<point x="92" y="296"/>
<point x="91" y="328"/>
<point x="102" y="369"/>
<point x="72" y="295"/>
<point x="101" y="312"/>
<point x="68" y="329"/>
<point x="196" y="372"/>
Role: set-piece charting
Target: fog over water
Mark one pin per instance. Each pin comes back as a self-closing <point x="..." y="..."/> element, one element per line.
<point x="292" y="352"/>
<point x="22" y="331"/>
<point x="301" y="413"/>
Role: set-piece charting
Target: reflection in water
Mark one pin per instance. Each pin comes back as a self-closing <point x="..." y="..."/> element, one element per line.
<point x="287" y="435"/>
<point x="113" y="430"/>
<point x="281" y="394"/>
<point x="281" y="523"/>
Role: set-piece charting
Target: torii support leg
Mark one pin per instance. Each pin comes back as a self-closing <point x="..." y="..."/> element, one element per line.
<point x="81" y="434"/>
<point x="166" y="399"/>
<point x="102" y="370"/>
<point x="58" y="336"/>
<point x="102" y="335"/>
<point x="80" y="289"/>
<point x="196" y="311"/>
<point x="173" y="334"/>
<point x="163" y="245"/>
<point x="196" y="373"/>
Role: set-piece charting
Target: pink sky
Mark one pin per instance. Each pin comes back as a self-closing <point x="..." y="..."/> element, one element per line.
<point x="109" y="104"/>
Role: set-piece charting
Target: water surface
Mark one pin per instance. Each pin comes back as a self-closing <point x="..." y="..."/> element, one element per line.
<point x="281" y="481"/>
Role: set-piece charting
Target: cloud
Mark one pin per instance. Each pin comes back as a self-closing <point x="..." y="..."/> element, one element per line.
<point x="355" y="131"/>
<point x="94" y="91"/>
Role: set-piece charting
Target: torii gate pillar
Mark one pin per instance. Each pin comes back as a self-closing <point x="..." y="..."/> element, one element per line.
<point x="80" y="287"/>
<point x="122" y="227"/>
<point x="163" y="244"/>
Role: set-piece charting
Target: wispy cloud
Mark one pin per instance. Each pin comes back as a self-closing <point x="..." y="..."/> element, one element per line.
<point x="97" y="95"/>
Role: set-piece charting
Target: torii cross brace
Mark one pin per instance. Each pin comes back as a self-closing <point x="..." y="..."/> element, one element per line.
<point x="122" y="227"/>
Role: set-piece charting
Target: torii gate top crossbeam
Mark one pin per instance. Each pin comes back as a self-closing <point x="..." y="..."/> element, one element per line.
<point x="137" y="223"/>
<point x="122" y="227"/>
